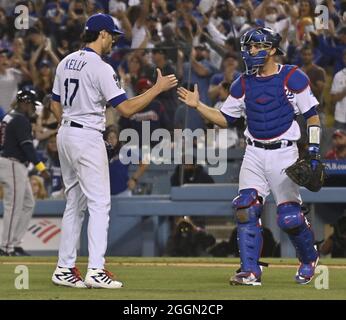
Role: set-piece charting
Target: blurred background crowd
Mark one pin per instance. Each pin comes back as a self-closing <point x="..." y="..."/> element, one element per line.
<point x="197" y="40"/>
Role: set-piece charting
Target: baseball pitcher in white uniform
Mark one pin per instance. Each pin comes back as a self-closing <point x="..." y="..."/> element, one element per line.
<point x="83" y="84"/>
<point x="271" y="95"/>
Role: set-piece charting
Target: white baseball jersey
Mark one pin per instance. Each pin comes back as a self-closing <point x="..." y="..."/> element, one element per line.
<point x="83" y="84"/>
<point x="339" y="84"/>
<point x="301" y="102"/>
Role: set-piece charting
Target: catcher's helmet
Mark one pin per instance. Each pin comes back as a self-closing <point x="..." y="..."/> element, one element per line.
<point x="264" y="36"/>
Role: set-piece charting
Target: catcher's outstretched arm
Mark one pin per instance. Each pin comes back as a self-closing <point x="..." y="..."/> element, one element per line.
<point x="313" y="121"/>
<point x="213" y="115"/>
<point x="191" y="98"/>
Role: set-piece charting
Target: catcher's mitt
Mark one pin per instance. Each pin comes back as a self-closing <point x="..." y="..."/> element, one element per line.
<point x="302" y="174"/>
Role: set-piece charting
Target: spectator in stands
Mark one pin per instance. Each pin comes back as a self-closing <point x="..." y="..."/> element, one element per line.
<point x="153" y="26"/>
<point x="9" y="80"/>
<point x="117" y="5"/>
<point x="201" y="72"/>
<point x="334" y="177"/>
<point x="189" y="240"/>
<point x="55" y="14"/>
<point x="334" y="47"/>
<point x="18" y="58"/>
<point x="43" y="70"/>
<point x="276" y="15"/>
<point x="336" y="243"/>
<point x="93" y="7"/>
<point x="305" y="21"/>
<point x="169" y="98"/>
<point x="188" y="29"/>
<point x="170" y="41"/>
<point x="338" y="152"/>
<point x="5" y="29"/>
<point x="138" y="18"/>
<point x="317" y="77"/>
<point x="122" y="21"/>
<point x="52" y="163"/>
<point x="46" y="124"/>
<point x="63" y="46"/>
<point x="229" y="74"/>
<point x="76" y="18"/>
<point x="120" y="181"/>
<point x="155" y="113"/>
<point x="34" y="38"/>
<point x="338" y="96"/>
<point x="242" y="18"/>
<point x="316" y="74"/>
<point x="193" y="173"/>
<point x="33" y="13"/>
<point x="133" y="70"/>
<point x="38" y="189"/>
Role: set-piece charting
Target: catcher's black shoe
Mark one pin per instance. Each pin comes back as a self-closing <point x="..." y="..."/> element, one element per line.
<point x="19" y="251"/>
<point x="3" y="253"/>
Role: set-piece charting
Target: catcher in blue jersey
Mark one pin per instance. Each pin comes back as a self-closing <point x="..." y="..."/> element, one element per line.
<point x="270" y="95"/>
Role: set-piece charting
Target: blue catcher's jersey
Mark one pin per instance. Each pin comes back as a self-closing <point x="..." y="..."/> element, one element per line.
<point x="271" y="103"/>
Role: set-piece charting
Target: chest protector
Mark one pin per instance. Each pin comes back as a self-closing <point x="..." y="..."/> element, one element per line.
<point x="268" y="111"/>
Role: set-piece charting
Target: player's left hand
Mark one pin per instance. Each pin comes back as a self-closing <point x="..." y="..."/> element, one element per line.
<point x="191" y="98"/>
<point x="164" y="83"/>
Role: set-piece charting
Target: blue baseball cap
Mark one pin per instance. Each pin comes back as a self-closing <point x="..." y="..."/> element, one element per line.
<point x="100" y="21"/>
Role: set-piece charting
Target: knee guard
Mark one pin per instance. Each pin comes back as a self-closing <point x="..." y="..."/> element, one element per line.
<point x="248" y="211"/>
<point x="292" y="220"/>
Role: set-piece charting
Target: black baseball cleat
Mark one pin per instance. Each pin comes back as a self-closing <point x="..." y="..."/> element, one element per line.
<point x="3" y="253"/>
<point x="19" y="251"/>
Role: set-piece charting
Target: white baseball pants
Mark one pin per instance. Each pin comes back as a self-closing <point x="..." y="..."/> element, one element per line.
<point x="263" y="170"/>
<point x="85" y="172"/>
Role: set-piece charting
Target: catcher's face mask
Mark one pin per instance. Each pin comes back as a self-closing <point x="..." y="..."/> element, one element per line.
<point x="255" y="47"/>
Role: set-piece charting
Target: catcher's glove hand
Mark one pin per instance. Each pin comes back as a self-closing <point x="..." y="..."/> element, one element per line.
<point x="302" y="174"/>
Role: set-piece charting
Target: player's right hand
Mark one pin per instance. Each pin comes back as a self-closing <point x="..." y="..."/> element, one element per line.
<point x="164" y="83"/>
<point x="191" y="98"/>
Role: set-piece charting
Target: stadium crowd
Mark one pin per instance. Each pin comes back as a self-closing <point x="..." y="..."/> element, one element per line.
<point x="195" y="39"/>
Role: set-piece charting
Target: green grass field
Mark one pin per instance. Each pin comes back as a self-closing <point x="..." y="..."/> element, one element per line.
<point x="173" y="278"/>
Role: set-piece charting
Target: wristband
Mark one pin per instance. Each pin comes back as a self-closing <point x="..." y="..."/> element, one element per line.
<point x="314" y="134"/>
